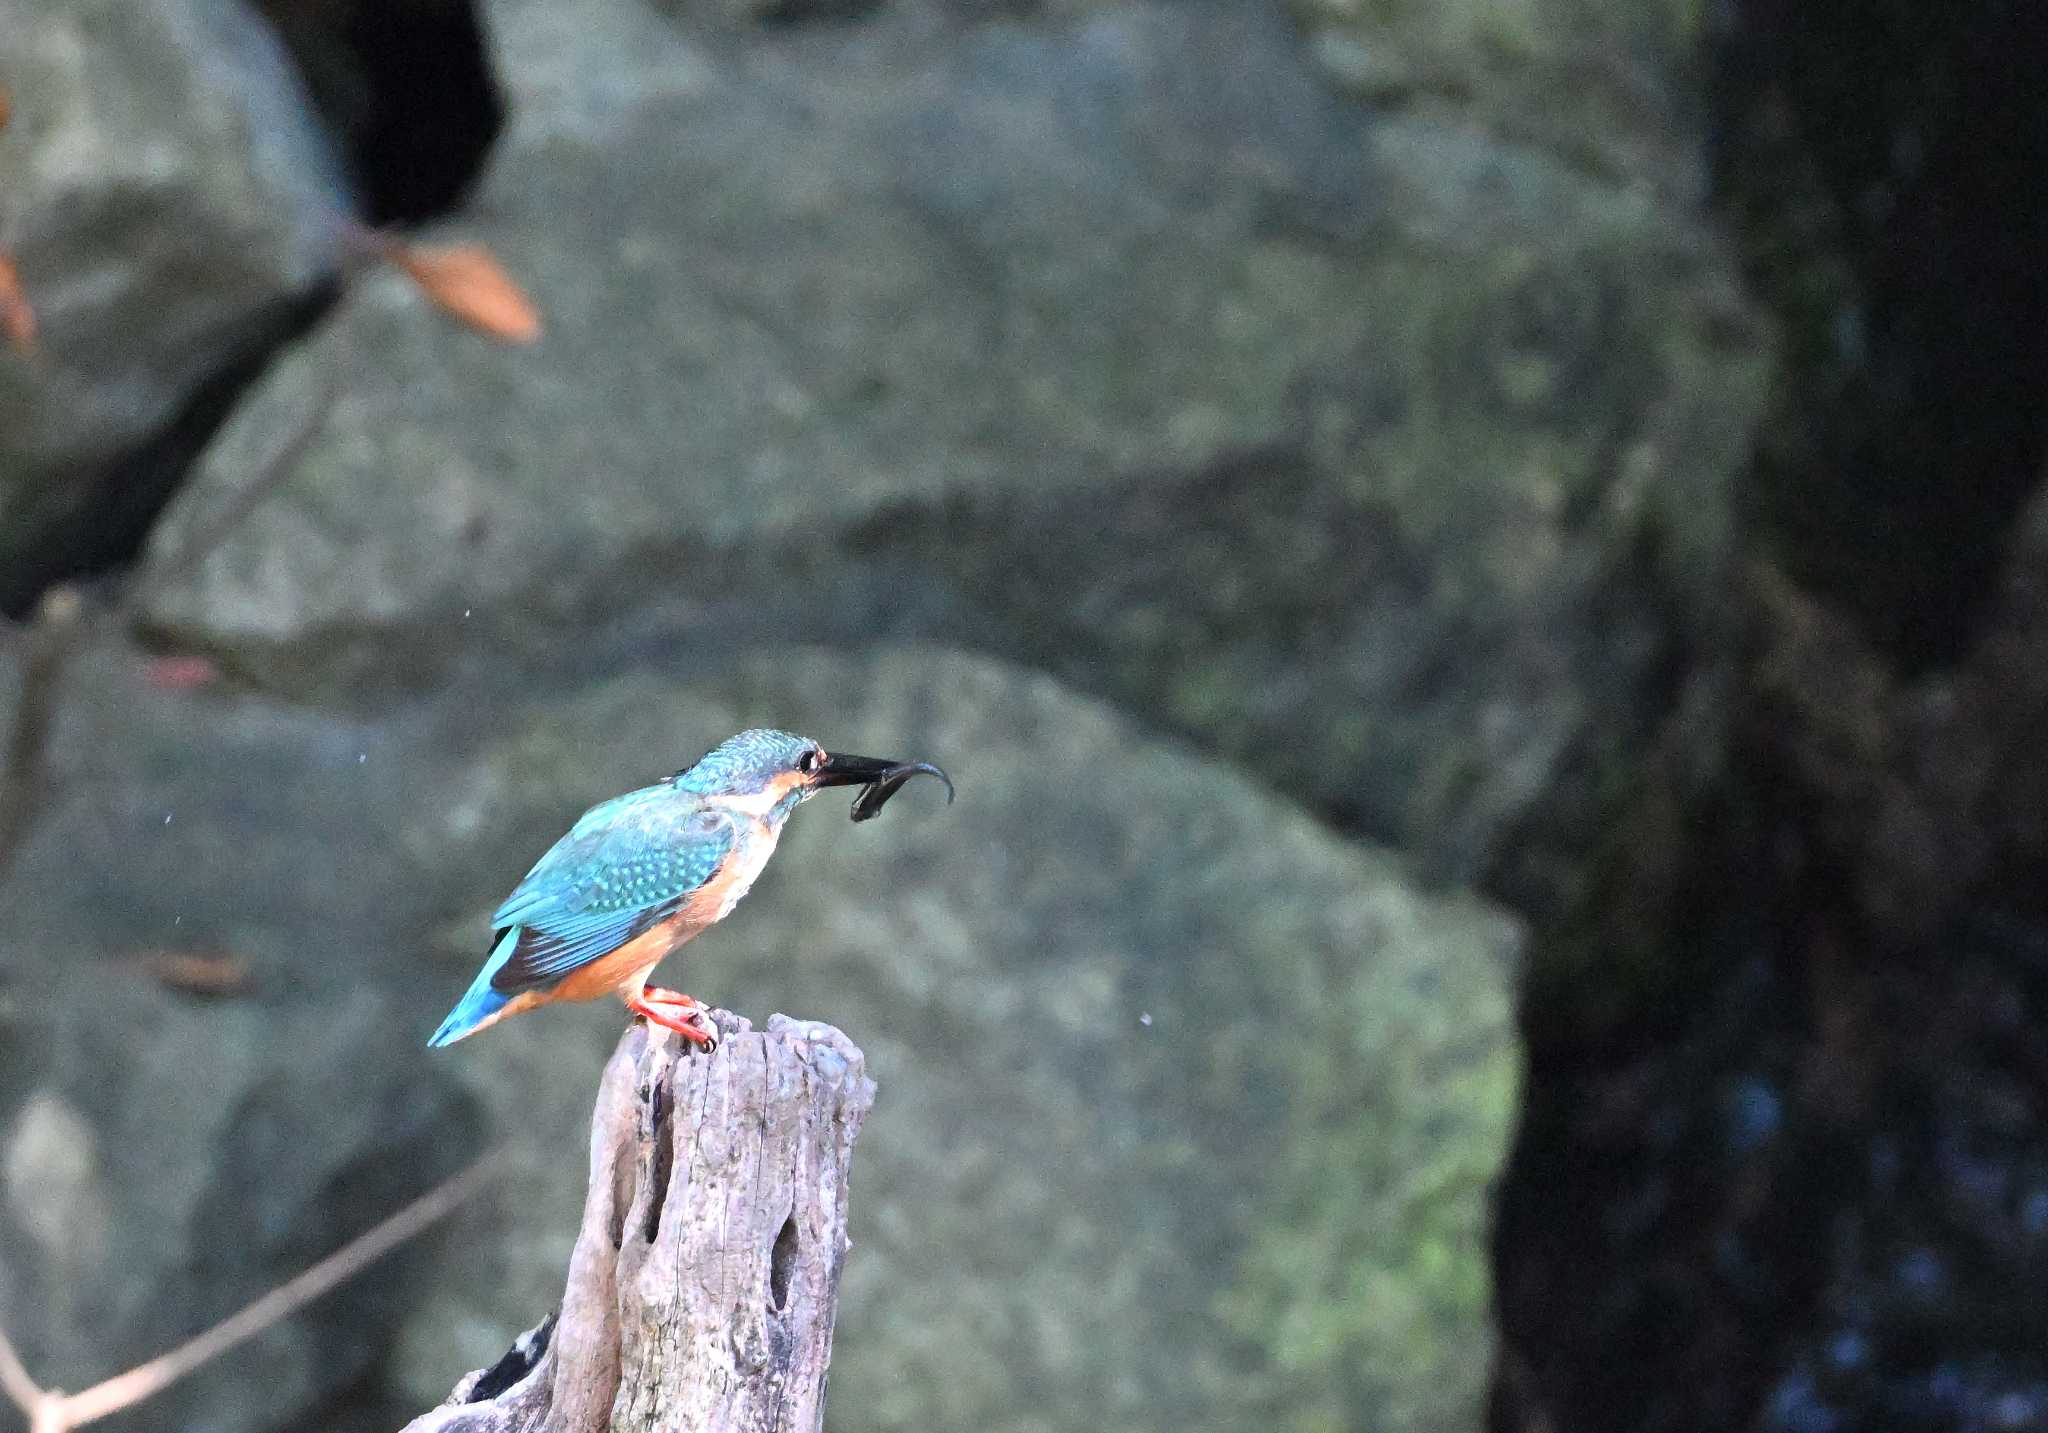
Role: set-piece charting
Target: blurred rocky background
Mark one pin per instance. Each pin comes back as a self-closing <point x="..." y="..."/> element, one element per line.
<point x="1481" y="568"/>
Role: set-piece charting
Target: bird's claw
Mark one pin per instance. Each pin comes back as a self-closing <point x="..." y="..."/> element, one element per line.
<point x="697" y="1029"/>
<point x="694" y="1024"/>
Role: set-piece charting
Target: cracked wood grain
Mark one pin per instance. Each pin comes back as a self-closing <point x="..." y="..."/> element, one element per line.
<point x="705" y="1277"/>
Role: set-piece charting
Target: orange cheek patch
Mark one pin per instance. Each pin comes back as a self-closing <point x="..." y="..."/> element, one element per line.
<point x="759" y="803"/>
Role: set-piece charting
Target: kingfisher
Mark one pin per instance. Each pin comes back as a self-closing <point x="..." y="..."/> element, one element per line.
<point x="642" y="873"/>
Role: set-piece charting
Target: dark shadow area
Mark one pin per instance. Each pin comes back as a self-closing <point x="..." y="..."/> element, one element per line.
<point x="407" y="89"/>
<point x="408" y="93"/>
<point x="1661" y="1227"/>
<point x="109" y="534"/>
<point x="782" y="1261"/>
<point x="519" y="1360"/>
<point x="1879" y="163"/>
<point x="663" y="1159"/>
<point x="1781" y="1162"/>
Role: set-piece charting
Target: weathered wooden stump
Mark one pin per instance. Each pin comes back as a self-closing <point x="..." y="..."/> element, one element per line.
<point x="705" y="1277"/>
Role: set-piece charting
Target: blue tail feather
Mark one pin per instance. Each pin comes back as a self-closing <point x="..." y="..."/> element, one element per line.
<point x="480" y="1002"/>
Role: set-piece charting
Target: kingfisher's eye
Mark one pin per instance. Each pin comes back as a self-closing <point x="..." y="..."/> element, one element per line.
<point x="810" y="761"/>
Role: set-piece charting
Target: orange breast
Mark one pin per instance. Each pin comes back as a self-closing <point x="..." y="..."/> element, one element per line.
<point x="714" y="900"/>
<point x="627" y="967"/>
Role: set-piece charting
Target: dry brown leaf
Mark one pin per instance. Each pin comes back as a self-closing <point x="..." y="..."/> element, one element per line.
<point x="6" y="107"/>
<point x="208" y="975"/>
<point x="468" y="281"/>
<point x="17" y="319"/>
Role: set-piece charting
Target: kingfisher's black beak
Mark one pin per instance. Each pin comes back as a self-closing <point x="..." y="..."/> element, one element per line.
<point x="880" y="780"/>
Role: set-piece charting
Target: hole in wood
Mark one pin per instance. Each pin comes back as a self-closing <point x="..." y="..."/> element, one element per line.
<point x="663" y="1163"/>
<point x="782" y="1264"/>
<point x="623" y="1184"/>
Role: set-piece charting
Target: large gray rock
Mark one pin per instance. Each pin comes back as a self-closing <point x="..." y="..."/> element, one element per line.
<point x="1188" y="1108"/>
<point x="165" y="1156"/>
<point x="166" y="198"/>
<point x="1382" y="453"/>
<point x="164" y="1161"/>
<point x="1615" y="87"/>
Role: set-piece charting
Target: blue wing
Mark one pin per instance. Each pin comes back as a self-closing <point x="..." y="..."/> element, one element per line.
<point x="626" y="865"/>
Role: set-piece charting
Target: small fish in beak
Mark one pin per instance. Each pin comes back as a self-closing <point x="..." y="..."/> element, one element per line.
<point x="878" y="779"/>
<point x="869" y="802"/>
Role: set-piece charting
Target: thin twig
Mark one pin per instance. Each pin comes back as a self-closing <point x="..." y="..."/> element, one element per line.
<point x="281" y="1302"/>
<point x="52" y="637"/>
<point x="126" y="1389"/>
<point x="14" y="1379"/>
<point x="55" y="631"/>
<point x="269" y="473"/>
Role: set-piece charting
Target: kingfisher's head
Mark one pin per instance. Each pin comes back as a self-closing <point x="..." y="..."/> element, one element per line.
<point x="770" y="773"/>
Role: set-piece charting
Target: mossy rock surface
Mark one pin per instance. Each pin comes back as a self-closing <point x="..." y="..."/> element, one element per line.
<point x="1188" y="1108"/>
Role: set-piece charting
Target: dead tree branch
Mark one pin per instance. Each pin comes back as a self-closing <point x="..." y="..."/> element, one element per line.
<point x="276" y="466"/>
<point x="705" y="1278"/>
<point x="52" y="635"/>
<point x="50" y="1411"/>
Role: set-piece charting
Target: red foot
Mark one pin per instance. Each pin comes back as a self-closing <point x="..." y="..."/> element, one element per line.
<point x="652" y="1003"/>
